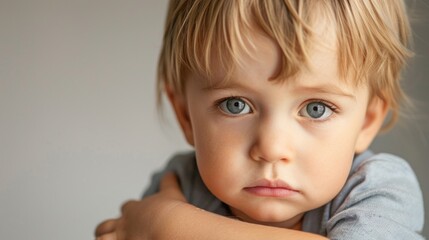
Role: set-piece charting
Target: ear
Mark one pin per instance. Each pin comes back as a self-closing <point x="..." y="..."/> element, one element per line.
<point x="375" y="114"/>
<point x="178" y="102"/>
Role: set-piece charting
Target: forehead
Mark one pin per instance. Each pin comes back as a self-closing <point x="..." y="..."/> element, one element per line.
<point x="259" y="72"/>
<point x="302" y="45"/>
<point x="265" y="60"/>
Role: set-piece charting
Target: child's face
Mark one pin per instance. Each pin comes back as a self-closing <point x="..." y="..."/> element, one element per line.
<point x="273" y="150"/>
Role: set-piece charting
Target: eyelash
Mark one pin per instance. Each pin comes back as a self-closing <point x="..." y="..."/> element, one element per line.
<point x="220" y="101"/>
<point x="330" y="105"/>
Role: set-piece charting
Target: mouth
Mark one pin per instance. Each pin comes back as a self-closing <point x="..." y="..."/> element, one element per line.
<point x="271" y="188"/>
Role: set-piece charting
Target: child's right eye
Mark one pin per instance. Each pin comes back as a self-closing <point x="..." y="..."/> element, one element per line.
<point x="234" y="106"/>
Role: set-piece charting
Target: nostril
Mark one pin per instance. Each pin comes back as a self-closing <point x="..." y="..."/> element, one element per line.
<point x="265" y="157"/>
<point x="271" y="143"/>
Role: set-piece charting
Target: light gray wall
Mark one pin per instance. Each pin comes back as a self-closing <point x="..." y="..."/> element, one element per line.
<point x="79" y="133"/>
<point x="410" y="138"/>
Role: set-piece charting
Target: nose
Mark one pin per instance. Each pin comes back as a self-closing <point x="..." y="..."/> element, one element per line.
<point x="273" y="142"/>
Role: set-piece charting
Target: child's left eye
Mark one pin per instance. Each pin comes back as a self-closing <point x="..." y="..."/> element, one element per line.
<point x="316" y="110"/>
<point x="234" y="106"/>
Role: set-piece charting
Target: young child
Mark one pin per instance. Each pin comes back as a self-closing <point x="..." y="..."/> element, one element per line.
<point x="281" y="100"/>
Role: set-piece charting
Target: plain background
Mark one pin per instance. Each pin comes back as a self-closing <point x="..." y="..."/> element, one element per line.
<point x="79" y="131"/>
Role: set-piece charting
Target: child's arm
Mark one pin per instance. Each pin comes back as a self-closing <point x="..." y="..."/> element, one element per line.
<point x="166" y="215"/>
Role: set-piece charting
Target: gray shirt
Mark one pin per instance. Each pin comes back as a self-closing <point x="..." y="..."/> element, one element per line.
<point x="380" y="200"/>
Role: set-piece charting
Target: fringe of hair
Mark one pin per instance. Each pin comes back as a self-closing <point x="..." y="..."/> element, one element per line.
<point x="372" y="40"/>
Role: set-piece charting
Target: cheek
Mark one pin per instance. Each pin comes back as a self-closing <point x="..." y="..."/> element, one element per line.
<point x="214" y="142"/>
<point x="326" y="177"/>
<point x="326" y="161"/>
<point x="221" y="171"/>
<point x="219" y="137"/>
<point x="220" y="151"/>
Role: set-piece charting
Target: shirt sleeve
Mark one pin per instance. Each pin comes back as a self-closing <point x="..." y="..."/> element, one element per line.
<point x="381" y="200"/>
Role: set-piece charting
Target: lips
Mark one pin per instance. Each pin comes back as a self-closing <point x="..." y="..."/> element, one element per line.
<point x="271" y="188"/>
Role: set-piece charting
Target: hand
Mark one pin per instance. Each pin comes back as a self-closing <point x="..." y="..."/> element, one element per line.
<point x="141" y="219"/>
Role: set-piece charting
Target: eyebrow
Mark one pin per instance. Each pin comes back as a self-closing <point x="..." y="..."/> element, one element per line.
<point x="222" y="86"/>
<point x="326" y="88"/>
<point x="323" y="88"/>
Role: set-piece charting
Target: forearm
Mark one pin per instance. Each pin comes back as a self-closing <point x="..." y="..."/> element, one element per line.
<point x="166" y="215"/>
<point x="188" y="222"/>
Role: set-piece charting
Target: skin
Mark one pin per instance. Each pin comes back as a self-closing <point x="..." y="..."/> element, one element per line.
<point x="275" y="137"/>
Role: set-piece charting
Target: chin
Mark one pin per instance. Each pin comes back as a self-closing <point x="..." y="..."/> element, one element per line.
<point x="270" y="216"/>
<point x="269" y="213"/>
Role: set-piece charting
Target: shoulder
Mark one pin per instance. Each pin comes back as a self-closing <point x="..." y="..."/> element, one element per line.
<point x="381" y="162"/>
<point x="381" y="171"/>
<point x="381" y="198"/>
<point x="182" y="164"/>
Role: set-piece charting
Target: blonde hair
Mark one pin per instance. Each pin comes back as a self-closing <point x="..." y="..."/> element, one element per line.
<point x="372" y="39"/>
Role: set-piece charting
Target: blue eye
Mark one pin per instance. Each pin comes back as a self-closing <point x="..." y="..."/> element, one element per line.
<point x="316" y="110"/>
<point x="234" y="106"/>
